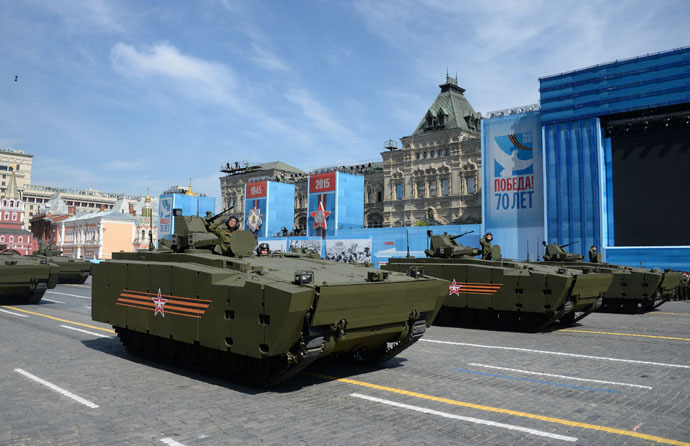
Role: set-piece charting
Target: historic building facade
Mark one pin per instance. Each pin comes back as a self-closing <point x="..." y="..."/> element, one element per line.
<point x="237" y="175"/>
<point x="12" y="232"/>
<point x="435" y="176"/>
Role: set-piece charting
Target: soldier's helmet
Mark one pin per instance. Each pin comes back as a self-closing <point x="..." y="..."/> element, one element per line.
<point x="263" y="249"/>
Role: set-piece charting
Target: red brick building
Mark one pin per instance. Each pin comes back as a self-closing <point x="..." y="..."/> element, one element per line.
<point x="12" y="232"/>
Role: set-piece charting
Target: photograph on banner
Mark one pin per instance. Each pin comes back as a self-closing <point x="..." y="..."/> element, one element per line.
<point x="311" y="245"/>
<point x="349" y="250"/>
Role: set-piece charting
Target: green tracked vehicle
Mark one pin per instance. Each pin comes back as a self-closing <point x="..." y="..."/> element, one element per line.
<point x="71" y="270"/>
<point x="504" y="294"/>
<point x="633" y="289"/>
<point x="260" y="319"/>
<point x="25" y="279"/>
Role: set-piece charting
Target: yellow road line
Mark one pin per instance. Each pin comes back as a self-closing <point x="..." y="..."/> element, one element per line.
<point x="107" y="330"/>
<point x="516" y="413"/>
<point x="80" y="286"/>
<point x="625" y="334"/>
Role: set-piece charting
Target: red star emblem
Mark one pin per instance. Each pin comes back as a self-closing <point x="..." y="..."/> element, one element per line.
<point x="454" y="288"/>
<point x="320" y="215"/>
<point x="160" y="302"/>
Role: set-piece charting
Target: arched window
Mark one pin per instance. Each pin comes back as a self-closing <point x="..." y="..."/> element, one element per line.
<point x="14" y="216"/>
<point x="21" y="240"/>
<point x="11" y="239"/>
<point x="143" y="233"/>
<point x="2" y="238"/>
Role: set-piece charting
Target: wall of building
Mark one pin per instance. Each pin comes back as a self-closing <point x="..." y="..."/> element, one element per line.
<point x="577" y="109"/>
<point x="119" y="237"/>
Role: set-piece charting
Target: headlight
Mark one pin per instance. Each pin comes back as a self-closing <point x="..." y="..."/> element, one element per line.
<point x="303" y="277"/>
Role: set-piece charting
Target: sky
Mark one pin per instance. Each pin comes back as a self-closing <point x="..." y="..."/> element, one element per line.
<point x="129" y="96"/>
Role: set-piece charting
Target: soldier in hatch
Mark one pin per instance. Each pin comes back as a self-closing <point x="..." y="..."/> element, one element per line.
<point x="486" y="246"/>
<point x="263" y="249"/>
<point x="593" y="254"/>
<point x="224" y="230"/>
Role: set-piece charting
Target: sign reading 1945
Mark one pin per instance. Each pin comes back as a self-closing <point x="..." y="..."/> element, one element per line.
<point x="256" y="190"/>
<point x="323" y="182"/>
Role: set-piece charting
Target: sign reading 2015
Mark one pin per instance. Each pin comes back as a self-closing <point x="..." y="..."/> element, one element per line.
<point x="323" y="182"/>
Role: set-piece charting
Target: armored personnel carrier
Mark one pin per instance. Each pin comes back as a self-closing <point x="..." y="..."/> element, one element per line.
<point x="632" y="290"/>
<point x="503" y="294"/>
<point x="24" y="278"/>
<point x="256" y="318"/>
<point x="71" y="270"/>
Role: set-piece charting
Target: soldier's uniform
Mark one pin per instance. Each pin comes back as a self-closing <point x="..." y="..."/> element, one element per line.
<point x="485" y="242"/>
<point x="593" y="255"/>
<point x="224" y="234"/>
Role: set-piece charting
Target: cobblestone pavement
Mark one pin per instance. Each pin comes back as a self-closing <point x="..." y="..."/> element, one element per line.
<point x="591" y="384"/>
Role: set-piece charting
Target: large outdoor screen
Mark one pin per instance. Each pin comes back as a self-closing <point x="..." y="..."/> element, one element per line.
<point x="651" y="189"/>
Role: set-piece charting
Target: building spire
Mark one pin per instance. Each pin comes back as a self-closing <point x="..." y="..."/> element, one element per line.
<point x="190" y="191"/>
<point x="12" y="191"/>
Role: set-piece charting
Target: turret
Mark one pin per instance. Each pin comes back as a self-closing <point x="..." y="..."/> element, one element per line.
<point x="48" y="249"/>
<point x="446" y="246"/>
<point x="556" y="253"/>
<point x="194" y="233"/>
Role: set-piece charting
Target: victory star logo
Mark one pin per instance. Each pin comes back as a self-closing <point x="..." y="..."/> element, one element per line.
<point x="254" y="220"/>
<point x="454" y="288"/>
<point x="320" y="215"/>
<point x="160" y="303"/>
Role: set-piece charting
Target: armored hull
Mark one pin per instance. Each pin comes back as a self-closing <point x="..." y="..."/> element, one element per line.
<point x="632" y="290"/>
<point x="71" y="270"/>
<point x="25" y="278"/>
<point x="509" y="295"/>
<point x="261" y="319"/>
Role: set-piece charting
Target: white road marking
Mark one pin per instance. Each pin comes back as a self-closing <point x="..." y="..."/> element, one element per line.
<point x="13" y="313"/>
<point x="467" y="419"/>
<point x="88" y="308"/>
<point x="53" y="300"/>
<point x="574" y="355"/>
<point x="67" y="294"/>
<point x="85" y="331"/>
<point x="559" y="376"/>
<point x="171" y="442"/>
<point x="58" y="389"/>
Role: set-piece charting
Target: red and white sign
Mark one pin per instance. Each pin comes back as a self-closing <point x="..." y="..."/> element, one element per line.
<point x="160" y="303"/>
<point x="322" y="182"/>
<point x="256" y="190"/>
<point x="320" y="215"/>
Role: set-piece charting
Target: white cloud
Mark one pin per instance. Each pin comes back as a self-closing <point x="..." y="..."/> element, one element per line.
<point x="195" y="77"/>
<point x="321" y="118"/>
<point x="267" y="60"/>
<point x="88" y="16"/>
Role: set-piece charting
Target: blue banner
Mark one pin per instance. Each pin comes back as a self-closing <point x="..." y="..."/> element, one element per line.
<point x="513" y="200"/>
